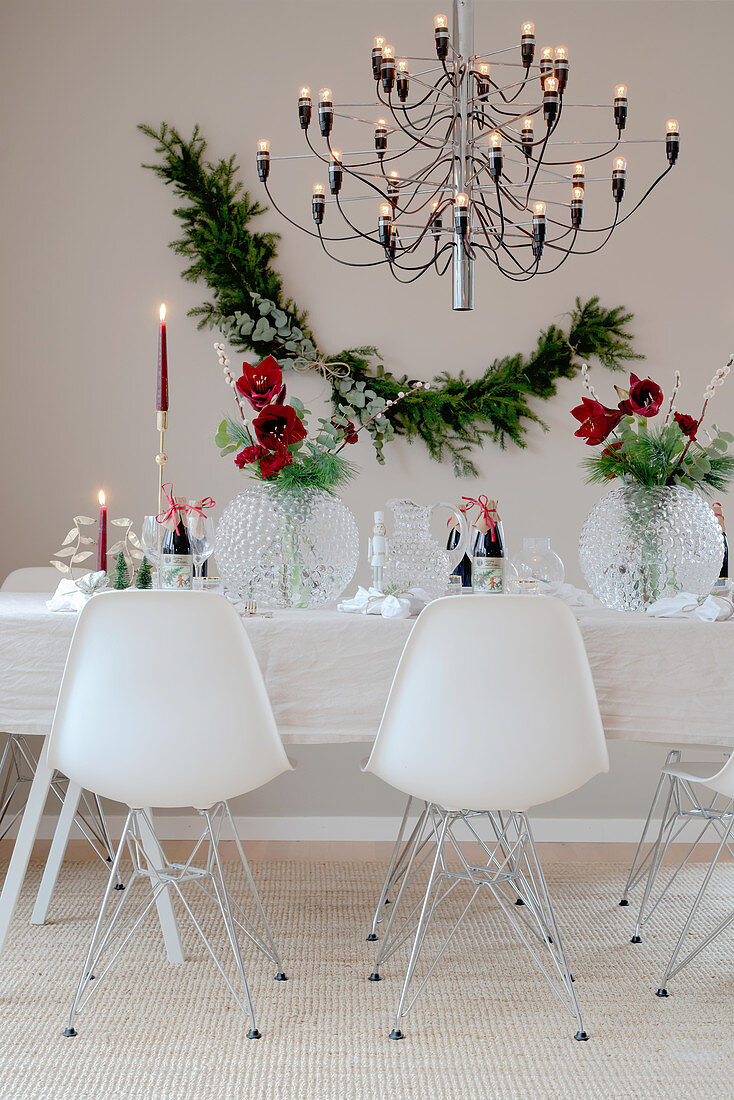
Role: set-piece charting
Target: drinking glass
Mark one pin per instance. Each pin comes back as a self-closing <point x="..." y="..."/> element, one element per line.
<point x="201" y="537"/>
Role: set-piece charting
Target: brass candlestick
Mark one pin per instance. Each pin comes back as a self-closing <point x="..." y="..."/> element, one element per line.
<point x="160" y="458"/>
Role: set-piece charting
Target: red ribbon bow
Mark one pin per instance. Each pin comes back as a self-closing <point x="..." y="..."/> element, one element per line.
<point x="207" y="502"/>
<point x="482" y="504"/>
<point x="169" y="516"/>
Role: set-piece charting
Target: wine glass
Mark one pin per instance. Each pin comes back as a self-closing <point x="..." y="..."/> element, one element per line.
<point x="151" y="535"/>
<point x="201" y="537"/>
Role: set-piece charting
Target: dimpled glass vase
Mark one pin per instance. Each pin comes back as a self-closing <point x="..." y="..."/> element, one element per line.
<point x="286" y="548"/>
<point x="639" y="545"/>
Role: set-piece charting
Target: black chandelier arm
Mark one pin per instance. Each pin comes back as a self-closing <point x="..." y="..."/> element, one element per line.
<point x="297" y="225"/>
<point x="591" y="251"/>
<point x="550" y="130"/>
<point x="426" y="129"/>
<point x="649" y="191"/>
<point x="358" y="232"/>
<point x="418" y="271"/>
<point x="587" y="160"/>
<point x="349" y="263"/>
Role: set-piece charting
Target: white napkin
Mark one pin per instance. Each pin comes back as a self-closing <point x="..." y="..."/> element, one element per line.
<point x="684" y="605"/>
<point x="574" y="597"/>
<point x="69" y="597"/>
<point x="370" y="601"/>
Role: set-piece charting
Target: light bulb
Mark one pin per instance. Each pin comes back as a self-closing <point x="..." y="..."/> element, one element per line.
<point x="551" y="84"/>
<point x="395" y="176"/>
<point x="672" y="126"/>
<point x="495" y="140"/>
<point x="305" y="93"/>
<point x="561" y="54"/>
<point x="403" y="65"/>
<point x="381" y="124"/>
<point x="547" y="53"/>
<point x="435" y="205"/>
<point x="527" y="123"/>
<point x="528" y="28"/>
<point x="620" y="164"/>
<point x="484" y="69"/>
<point x="385" y="210"/>
<point x="578" y="169"/>
<point x="101" y="497"/>
<point x="539" y="209"/>
<point x="440" y="22"/>
<point x="379" y="42"/>
<point x="462" y="200"/>
<point x="263" y="146"/>
<point x="336" y="155"/>
<point x="318" y="189"/>
<point x="620" y="92"/>
<point x="388" y="52"/>
<point x="578" y="192"/>
<point x="162" y="312"/>
<point x="325" y="95"/>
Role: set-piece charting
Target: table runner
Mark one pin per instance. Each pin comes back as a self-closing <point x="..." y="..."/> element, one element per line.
<point x="328" y="674"/>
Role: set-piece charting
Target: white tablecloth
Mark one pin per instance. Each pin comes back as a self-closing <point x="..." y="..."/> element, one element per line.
<point x="328" y="674"/>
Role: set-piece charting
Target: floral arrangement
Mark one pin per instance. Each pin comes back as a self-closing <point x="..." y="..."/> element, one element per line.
<point x="274" y="445"/>
<point x="643" y="440"/>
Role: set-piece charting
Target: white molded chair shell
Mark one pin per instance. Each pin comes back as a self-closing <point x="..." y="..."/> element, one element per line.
<point x="33" y="578"/>
<point x="721" y="781"/>
<point x="163" y="702"/>
<point x="492" y="706"/>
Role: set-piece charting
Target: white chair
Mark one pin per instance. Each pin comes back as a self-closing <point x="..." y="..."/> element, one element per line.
<point x="33" y="578"/>
<point x="163" y="704"/>
<point x="689" y="794"/>
<point x="492" y="711"/>
<point x="18" y="762"/>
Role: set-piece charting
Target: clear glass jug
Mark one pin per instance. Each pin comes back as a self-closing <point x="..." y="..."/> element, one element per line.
<point x="414" y="558"/>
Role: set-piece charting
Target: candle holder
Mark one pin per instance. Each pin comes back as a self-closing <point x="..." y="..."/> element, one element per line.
<point x="78" y="546"/>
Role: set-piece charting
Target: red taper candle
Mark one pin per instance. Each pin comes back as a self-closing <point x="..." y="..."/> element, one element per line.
<point x="102" y="533"/>
<point x="161" y="394"/>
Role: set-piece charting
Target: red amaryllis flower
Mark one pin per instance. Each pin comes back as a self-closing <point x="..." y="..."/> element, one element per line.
<point x="350" y="432"/>
<point x="687" y="424"/>
<point x="248" y="455"/>
<point x="274" y="461"/>
<point x="644" y="399"/>
<point x="263" y="384"/>
<point x="612" y="452"/>
<point x="278" y="425"/>
<point x="597" y="421"/>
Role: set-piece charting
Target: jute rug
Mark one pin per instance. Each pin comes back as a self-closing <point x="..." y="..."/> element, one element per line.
<point x="487" y="1025"/>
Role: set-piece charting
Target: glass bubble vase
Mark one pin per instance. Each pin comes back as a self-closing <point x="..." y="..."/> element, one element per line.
<point x="537" y="562"/>
<point x="286" y="548"/>
<point x="641" y="544"/>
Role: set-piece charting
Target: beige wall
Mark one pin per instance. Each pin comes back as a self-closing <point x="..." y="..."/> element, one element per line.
<point x="85" y="230"/>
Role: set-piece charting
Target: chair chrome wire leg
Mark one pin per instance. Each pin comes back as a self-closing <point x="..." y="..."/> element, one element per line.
<point x="635" y="875"/>
<point x="112" y="935"/>
<point x="512" y="869"/>
<point x="398" y="864"/>
<point x="674" y="967"/>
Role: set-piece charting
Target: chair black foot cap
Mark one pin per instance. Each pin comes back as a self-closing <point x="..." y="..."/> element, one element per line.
<point x="119" y="886"/>
<point x="572" y="977"/>
<point x="69" y="1032"/>
<point x="519" y="901"/>
<point x="253" y="1033"/>
<point x="387" y="901"/>
<point x="636" y="939"/>
<point x="581" y="1037"/>
<point x="109" y="859"/>
<point x="549" y="938"/>
<point x="371" y="938"/>
<point x="396" y="1034"/>
<point x="374" y="977"/>
<point x="662" y="992"/>
<point x="281" y="977"/>
<point x="624" y="901"/>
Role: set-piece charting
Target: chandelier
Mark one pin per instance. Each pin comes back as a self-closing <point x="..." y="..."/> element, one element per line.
<point x="458" y="159"/>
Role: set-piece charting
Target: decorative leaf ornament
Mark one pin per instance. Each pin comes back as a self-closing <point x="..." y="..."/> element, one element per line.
<point x="248" y="306"/>
<point x="73" y="550"/>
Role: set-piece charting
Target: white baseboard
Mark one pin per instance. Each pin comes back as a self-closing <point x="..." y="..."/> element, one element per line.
<point x="182" y="826"/>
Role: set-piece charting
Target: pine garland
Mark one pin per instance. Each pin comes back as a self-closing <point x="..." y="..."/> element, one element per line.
<point x="249" y="307"/>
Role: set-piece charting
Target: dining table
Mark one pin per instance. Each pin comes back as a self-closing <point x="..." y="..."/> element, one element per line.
<point x="328" y="675"/>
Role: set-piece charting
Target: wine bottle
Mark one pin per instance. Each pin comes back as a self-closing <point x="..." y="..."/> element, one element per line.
<point x="463" y="569"/>
<point x="724" y="574"/>
<point x="177" y="564"/>
<point x="488" y="554"/>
